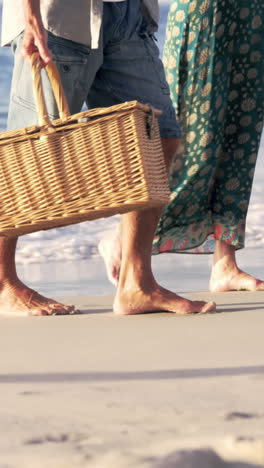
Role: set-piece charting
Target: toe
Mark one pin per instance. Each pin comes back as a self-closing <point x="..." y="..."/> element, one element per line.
<point x="61" y="309"/>
<point x="208" y="307"/>
<point x="259" y="285"/>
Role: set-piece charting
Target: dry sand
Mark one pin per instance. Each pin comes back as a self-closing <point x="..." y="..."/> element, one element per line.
<point x="157" y="390"/>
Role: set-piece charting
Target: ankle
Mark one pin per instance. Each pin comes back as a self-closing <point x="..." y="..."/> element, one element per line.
<point x="8" y="281"/>
<point x="223" y="267"/>
<point x="143" y="281"/>
<point x="224" y="251"/>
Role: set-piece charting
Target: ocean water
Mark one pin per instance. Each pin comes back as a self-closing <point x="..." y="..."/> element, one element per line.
<point x="79" y="242"/>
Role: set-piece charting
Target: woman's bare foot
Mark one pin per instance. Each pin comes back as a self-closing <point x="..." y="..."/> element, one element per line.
<point x="157" y="299"/>
<point x="233" y="279"/>
<point x="18" y="299"/>
<point x="110" y="250"/>
<point x="226" y="276"/>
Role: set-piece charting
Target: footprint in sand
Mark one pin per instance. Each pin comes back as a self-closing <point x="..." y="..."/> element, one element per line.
<point x="57" y="439"/>
<point x="203" y="458"/>
<point x="240" y="415"/>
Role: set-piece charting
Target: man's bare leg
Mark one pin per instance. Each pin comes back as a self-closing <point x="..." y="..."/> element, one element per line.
<point x="226" y="276"/>
<point x="15" y="297"/>
<point x="137" y="290"/>
<point x="109" y="246"/>
<point x="110" y="250"/>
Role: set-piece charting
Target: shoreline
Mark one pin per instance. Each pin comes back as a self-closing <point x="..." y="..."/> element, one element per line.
<point x="179" y="272"/>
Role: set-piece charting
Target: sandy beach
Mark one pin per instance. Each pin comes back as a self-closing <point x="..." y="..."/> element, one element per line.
<point x="97" y="390"/>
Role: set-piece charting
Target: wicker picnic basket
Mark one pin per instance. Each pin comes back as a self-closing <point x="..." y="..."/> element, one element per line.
<point x="80" y="167"/>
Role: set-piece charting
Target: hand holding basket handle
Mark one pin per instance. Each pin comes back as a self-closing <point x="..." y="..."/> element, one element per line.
<point x="57" y="88"/>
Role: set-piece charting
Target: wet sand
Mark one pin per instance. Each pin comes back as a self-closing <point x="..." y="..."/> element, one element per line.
<point x="97" y="390"/>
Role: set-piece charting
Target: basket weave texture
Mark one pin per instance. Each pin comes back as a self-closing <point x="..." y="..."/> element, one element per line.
<point x="89" y="165"/>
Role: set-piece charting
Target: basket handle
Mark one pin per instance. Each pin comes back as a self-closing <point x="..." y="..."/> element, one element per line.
<point x="57" y="89"/>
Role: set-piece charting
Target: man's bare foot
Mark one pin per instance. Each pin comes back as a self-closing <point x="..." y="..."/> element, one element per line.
<point x="233" y="279"/>
<point x="17" y="299"/>
<point x="110" y="250"/>
<point x="156" y="300"/>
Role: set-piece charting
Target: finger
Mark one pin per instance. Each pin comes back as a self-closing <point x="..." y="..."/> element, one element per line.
<point x="44" y="52"/>
<point x="27" y="51"/>
<point x="28" y="46"/>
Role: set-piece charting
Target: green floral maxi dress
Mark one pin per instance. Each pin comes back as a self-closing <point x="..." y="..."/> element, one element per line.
<point x="214" y="61"/>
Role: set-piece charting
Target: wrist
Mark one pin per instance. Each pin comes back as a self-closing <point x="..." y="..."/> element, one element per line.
<point x="32" y="11"/>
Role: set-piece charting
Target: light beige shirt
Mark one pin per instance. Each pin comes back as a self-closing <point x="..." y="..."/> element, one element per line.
<point x="77" y="20"/>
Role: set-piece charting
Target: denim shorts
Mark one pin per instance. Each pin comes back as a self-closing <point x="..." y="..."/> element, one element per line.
<point x="125" y="67"/>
